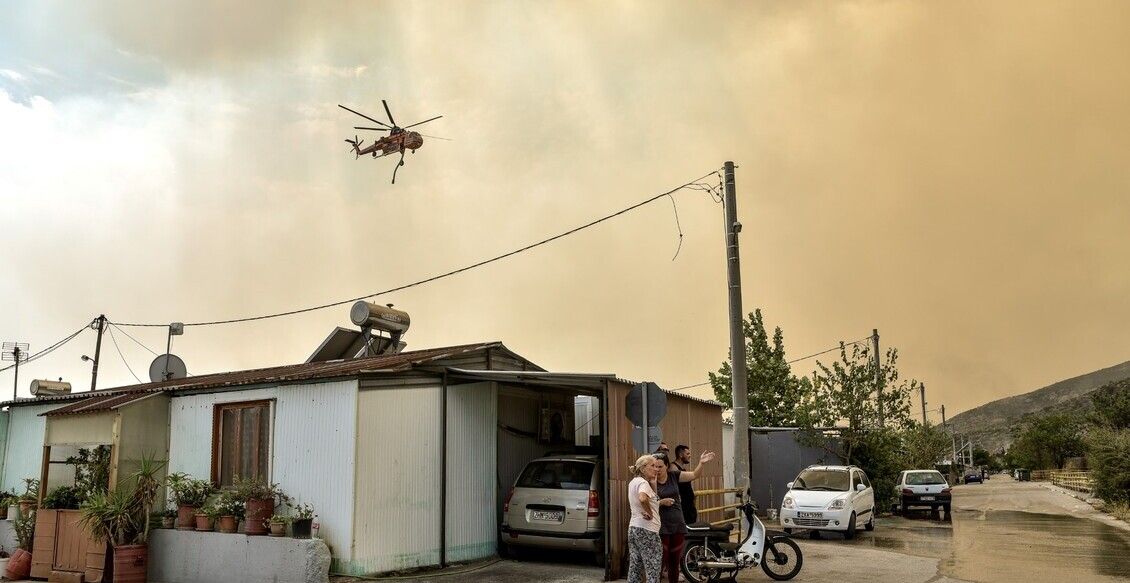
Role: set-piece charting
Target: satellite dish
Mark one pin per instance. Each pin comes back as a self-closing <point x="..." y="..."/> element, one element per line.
<point x="174" y="369"/>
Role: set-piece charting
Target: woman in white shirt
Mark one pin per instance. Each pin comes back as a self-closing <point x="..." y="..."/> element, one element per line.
<point x="645" y="550"/>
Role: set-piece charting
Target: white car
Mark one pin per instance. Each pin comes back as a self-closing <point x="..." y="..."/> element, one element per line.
<point x="838" y="498"/>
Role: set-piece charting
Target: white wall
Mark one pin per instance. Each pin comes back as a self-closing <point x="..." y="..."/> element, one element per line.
<point x="313" y="435"/>
<point x="728" y="455"/>
<point x="23" y="457"/>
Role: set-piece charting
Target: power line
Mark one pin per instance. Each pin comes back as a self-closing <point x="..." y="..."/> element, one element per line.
<point x="688" y="387"/>
<point x="442" y="275"/>
<point x="49" y="349"/>
<point x="111" y="330"/>
<point x="138" y="342"/>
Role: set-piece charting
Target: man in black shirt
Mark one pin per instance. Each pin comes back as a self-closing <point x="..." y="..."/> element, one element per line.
<point x="686" y="490"/>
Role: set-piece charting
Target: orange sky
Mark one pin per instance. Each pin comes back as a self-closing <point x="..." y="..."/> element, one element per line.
<point x="953" y="174"/>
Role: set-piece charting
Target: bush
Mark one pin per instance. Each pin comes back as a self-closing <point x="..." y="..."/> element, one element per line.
<point x="64" y="498"/>
<point x="1109" y="457"/>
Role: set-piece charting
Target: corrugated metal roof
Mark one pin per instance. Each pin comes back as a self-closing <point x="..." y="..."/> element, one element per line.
<point x="281" y="374"/>
<point x="680" y="395"/>
<point x="99" y="403"/>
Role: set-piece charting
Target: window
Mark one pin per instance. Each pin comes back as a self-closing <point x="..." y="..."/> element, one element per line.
<point x="866" y="482"/>
<point x="856" y="479"/>
<point x="557" y="475"/>
<point x="826" y="480"/>
<point x="241" y="442"/>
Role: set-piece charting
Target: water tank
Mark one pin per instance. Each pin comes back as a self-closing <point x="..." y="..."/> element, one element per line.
<point x="46" y="388"/>
<point x="380" y="317"/>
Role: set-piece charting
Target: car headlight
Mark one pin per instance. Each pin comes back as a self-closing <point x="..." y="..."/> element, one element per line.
<point x="788" y="502"/>
<point x="837" y="504"/>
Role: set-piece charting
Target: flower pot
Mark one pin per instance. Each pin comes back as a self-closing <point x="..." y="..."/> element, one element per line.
<point x="278" y="529"/>
<point x="228" y="524"/>
<point x="168" y="521"/>
<point x="131" y="563"/>
<point x="204" y="523"/>
<point x="13" y="511"/>
<point x="26" y="506"/>
<point x="259" y="512"/>
<point x="3" y="513"/>
<point x="301" y="528"/>
<point x="19" y="566"/>
<point x="186" y="517"/>
<point x="3" y="564"/>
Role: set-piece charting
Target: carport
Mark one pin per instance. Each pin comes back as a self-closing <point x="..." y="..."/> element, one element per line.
<point x="528" y="403"/>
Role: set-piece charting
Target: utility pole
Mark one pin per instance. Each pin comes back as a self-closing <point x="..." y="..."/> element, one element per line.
<point x="99" y="324"/>
<point x="737" y="338"/>
<point x="878" y="375"/>
<point x="16" y="383"/>
<point x="922" y="392"/>
<point x="943" y="418"/>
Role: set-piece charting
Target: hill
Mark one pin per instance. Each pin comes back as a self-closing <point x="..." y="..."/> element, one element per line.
<point x="989" y="424"/>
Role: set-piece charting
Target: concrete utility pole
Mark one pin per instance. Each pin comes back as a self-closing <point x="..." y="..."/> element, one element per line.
<point x="922" y="392"/>
<point x="878" y="375"/>
<point x="737" y="338"/>
<point x="100" y="322"/>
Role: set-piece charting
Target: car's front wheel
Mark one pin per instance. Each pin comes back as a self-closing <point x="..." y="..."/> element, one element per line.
<point x="850" y="532"/>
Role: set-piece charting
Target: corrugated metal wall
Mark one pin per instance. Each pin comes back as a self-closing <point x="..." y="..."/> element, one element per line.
<point x="398" y="480"/>
<point x="472" y="530"/>
<point x="23" y="457"/>
<point x="313" y="436"/>
<point x="775" y="459"/>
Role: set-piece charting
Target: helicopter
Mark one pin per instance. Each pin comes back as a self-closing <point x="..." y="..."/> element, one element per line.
<point x="398" y="140"/>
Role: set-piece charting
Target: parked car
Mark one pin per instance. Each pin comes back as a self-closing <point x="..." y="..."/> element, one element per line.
<point x="971" y="477"/>
<point x="836" y="498"/>
<point x="922" y="488"/>
<point x="555" y="503"/>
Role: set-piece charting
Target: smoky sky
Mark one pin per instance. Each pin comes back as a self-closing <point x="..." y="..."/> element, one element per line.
<point x="953" y="174"/>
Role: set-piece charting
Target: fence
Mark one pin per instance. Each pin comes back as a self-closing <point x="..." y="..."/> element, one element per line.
<point x="1077" y="480"/>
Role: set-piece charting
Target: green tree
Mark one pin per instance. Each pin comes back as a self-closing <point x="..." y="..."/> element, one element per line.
<point x="1108" y="454"/>
<point x="981" y="457"/>
<point x="924" y="446"/>
<point x="1112" y="405"/>
<point x="1045" y="442"/>
<point x="776" y="396"/>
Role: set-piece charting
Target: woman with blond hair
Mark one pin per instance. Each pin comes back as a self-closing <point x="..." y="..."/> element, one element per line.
<point x="645" y="550"/>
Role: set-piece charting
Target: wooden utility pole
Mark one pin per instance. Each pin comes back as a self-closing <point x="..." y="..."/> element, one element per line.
<point x="922" y="392"/>
<point x="739" y="393"/>
<point x="878" y="375"/>
<point x="943" y="417"/>
<point x="100" y="323"/>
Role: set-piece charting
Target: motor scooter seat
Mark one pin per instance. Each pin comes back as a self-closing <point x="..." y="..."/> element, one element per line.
<point x="702" y="527"/>
<point x="730" y="547"/>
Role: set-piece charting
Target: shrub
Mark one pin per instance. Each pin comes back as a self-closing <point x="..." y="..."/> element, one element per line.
<point x="1109" y="457"/>
<point x="64" y="498"/>
<point x="187" y="491"/>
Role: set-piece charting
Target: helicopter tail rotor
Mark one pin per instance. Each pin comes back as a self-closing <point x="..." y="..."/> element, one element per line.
<point x="356" y="143"/>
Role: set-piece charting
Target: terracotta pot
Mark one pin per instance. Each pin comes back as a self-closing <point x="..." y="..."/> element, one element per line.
<point x="278" y="529"/>
<point x="3" y="512"/>
<point x="131" y="563"/>
<point x="228" y="524"/>
<point x="19" y="566"/>
<point x="168" y="521"/>
<point x="204" y="523"/>
<point x="259" y="512"/>
<point x="186" y="517"/>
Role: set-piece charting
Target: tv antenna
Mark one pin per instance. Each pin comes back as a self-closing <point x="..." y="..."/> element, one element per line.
<point x="15" y="351"/>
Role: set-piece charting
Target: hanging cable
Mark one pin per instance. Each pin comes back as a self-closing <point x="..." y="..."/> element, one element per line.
<point x="110" y="329"/>
<point x="442" y="275"/>
<point x="49" y="349"/>
<point x="138" y="342"/>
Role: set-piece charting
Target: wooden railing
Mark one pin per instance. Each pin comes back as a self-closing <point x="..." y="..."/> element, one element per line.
<point x="736" y="518"/>
<point x="1077" y="480"/>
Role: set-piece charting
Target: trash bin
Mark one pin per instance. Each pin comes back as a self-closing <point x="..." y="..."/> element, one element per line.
<point x="1023" y="475"/>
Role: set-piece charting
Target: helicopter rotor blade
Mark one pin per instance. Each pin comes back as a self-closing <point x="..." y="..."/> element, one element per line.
<point x="423" y="122"/>
<point x="378" y="122"/>
<point x="373" y="129"/>
<point x="389" y="113"/>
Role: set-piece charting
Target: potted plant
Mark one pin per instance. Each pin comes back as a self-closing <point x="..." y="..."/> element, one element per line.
<point x="260" y="499"/>
<point x="301" y="520"/>
<point x="12" y="505"/>
<point x="189" y="495"/>
<point x="19" y="565"/>
<point x="206" y="518"/>
<point x="168" y="518"/>
<point x="230" y="509"/>
<point x="121" y="517"/>
<point x="278" y="524"/>
<point x="63" y="498"/>
<point x="30" y="498"/>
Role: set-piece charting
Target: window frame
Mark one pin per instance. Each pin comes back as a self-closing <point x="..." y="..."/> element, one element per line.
<point x="217" y="427"/>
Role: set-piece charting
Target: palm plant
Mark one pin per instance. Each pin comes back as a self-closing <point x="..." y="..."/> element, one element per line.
<point x="121" y="516"/>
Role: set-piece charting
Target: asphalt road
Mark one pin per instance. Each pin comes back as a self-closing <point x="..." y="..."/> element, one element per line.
<point x="999" y="532"/>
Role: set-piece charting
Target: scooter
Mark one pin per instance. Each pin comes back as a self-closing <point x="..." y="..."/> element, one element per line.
<point x="708" y="554"/>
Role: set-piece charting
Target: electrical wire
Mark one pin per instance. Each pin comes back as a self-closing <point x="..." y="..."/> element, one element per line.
<point x="688" y="387"/>
<point x="49" y="349"/>
<point x="442" y="275"/>
<point x="138" y="342"/>
<point x="110" y="329"/>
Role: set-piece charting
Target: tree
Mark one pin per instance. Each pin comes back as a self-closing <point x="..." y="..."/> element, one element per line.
<point x="1045" y="442"/>
<point x="924" y="446"/>
<point x="1112" y="405"/>
<point x="775" y="395"/>
<point x="982" y="457"/>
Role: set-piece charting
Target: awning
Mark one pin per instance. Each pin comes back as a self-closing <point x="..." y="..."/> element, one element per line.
<point x="546" y="379"/>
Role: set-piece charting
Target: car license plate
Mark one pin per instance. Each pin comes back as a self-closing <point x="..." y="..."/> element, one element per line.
<point x="810" y="515"/>
<point x="927" y="498"/>
<point x="547" y="515"/>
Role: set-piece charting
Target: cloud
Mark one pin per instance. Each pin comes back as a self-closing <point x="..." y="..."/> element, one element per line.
<point x="13" y="75"/>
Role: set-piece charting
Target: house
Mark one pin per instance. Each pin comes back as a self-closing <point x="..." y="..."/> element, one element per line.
<point x="405" y="457"/>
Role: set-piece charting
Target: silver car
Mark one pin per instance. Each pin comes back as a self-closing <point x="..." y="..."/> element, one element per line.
<point x="556" y="503"/>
